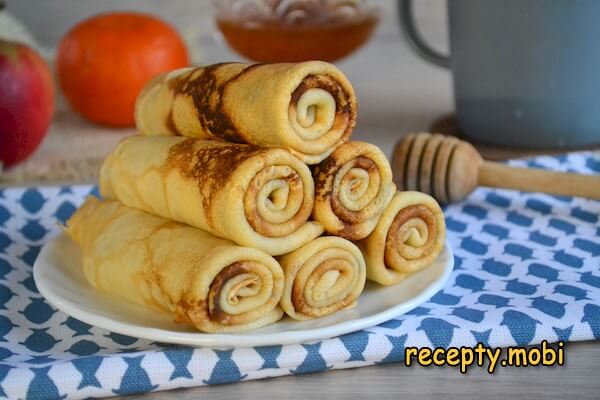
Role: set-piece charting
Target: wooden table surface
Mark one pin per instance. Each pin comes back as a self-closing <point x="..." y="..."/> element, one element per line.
<point x="398" y="93"/>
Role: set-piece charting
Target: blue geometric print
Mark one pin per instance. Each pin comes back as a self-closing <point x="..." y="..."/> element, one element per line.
<point x="493" y="300"/>
<point x="396" y="354"/>
<point x="522" y="327"/>
<point x="538" y="205"/>
<point x="42" y="386"/>
<point x="518" y="287"/>
<point x="498" y="231"/>
<point x="40" y="360"/>
<point x="575" y="292"/>
<point x="4" y="369"/>
<point x="541" y="238"/>
<point x="40" y="340"/>
<point x="470" y="282"/>
<point x="519" y="219"/>
<point x="79" y="328"/>
<point x="6" y="295"/>
<point x="5" y="241"/>
<point x="496" y="267"/>
<point x="84" y="348"/>
<point x="180" y="358"/>
<point x="497" y="200"/>
<point x="4" y="216"/>
<point x="469" y="314"/>
<point x="475" y="211"/>
<point x="482" y="337"/>
<point x="588" y="246"/>
<point x="563" y="334"/>
<point x="591" y="315"/>
<point x="474" y="246"/>
<point x="33" y="230"/>
<point x="445" y="298"/>
<point x="32" y="200"/>
<point x="518" y="250"/>
<point x="4" y="354"/>
<point x="549" y="307"/>
<point x="590" y="279"/>
<point x="527" y="269"/>
<point x="568" y="259"/>
<point x="542" y="271"/>
<point x="438" y="331"/>
<point x="454" y="225"/>
<point x="562" y="225"/>
<point x="121" y="339"/>
<point x="226" y="370"/>
<point x="64" y="211"/>
<point x="356" y="343"/>
<point x="135" y="379"/>
<point x="269" y="355"/>
<point x="584" y="215"/>
<point x="313" y="361"/>
<point x="38" y="311"/>
<point x="5" y="268"/>
<point x="87" y="367"/>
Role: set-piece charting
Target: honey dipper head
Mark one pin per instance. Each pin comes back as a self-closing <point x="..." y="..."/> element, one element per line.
<point x="442" y="166"/>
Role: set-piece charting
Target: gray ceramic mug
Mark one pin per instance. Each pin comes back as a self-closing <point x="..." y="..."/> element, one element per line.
<point x="526" y="72"/>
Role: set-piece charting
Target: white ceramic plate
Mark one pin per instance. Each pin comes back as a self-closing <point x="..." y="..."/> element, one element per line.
<point x="59" y="277"/>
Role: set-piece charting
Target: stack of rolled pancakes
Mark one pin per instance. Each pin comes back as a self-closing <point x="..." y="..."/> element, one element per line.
<point x="243" y="199"/>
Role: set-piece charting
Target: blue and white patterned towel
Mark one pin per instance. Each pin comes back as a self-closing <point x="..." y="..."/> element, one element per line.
<point x="527" y="269"/>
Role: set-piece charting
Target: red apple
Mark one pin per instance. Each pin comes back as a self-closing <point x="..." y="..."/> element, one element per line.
<point x="26" y="101"/>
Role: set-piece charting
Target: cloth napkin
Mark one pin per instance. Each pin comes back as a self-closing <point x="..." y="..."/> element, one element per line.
<point x="527" y="269"/>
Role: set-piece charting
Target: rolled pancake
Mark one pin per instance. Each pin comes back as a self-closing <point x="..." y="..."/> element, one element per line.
<point x="198" y="278"/>
<point x="322" y="277"/>
<point x="309" y="107"/>
<point x="256" y="197"/>
<point x="353" y="186"/>
<point x="409" y="237"/>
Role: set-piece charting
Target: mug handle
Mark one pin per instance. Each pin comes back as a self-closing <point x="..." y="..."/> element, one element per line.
<point x="407" y="23"/>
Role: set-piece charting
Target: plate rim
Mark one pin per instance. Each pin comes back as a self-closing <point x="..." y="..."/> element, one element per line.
<point x="229" y="340"/>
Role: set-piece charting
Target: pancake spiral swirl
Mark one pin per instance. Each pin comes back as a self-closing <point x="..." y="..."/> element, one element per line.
<point x="322" y="277"/>
<point x="353" y="186"/>
<point x="308" y="108"/>
<point x="188" y="273"/>
<point x="256" y="197"/>
<point x="409" y="237"/>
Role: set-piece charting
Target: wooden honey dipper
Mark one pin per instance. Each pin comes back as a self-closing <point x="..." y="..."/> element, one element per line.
<point x="449" y="169"/>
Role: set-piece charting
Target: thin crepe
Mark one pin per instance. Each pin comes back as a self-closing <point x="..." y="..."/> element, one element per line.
<point x="322" y="277"/>
<point x="353" y="186"/>
<point x="256" y="197"/>
<point x="198" y="278"/>
<point x="409" y="237"/>
<point x="309" y="107"/>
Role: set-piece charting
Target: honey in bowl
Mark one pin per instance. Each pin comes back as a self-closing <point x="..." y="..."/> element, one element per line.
<point x="293" y="31"/>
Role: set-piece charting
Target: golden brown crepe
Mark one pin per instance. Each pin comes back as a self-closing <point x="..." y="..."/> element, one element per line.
<point x="309" y="107"/>
<point x="353" y="186"/>
<point x="322" y="277"/>
<point x="200" y="279"/>
<point x="256" y="197"/>
<point x="409" y="237"/>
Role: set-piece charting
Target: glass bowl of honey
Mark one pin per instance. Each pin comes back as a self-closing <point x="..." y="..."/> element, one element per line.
<point x="295" y="30"/>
